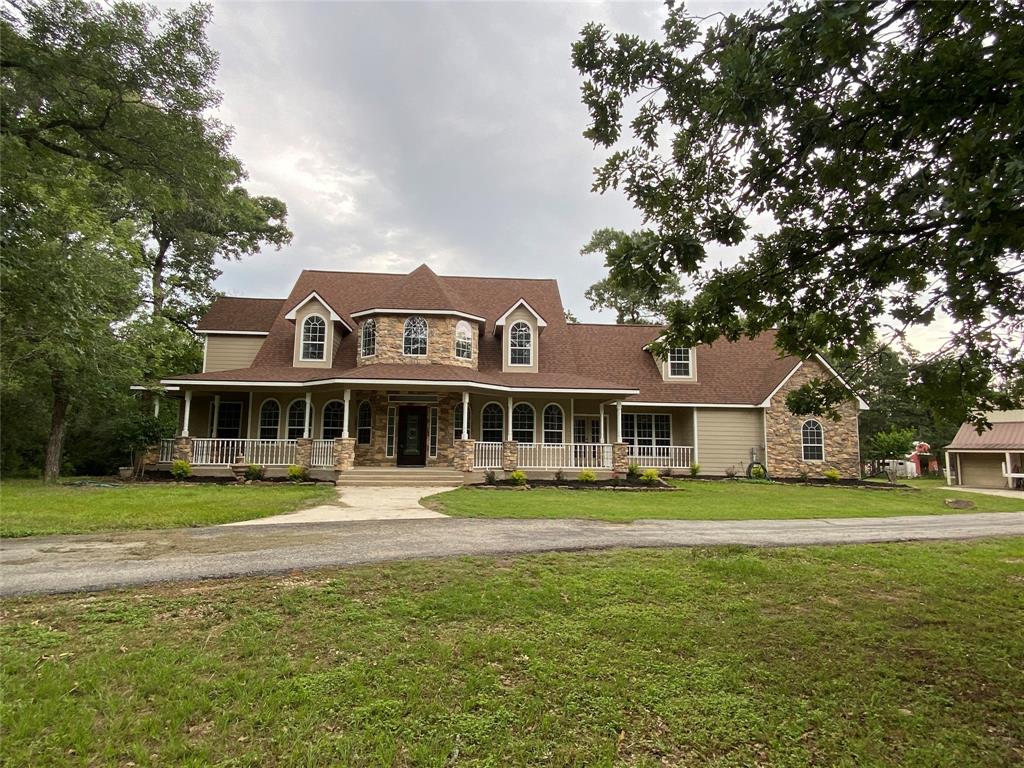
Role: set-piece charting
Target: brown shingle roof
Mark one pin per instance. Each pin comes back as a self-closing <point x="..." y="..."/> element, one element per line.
<point x="230" y="313"/>
<point x="1005" y="436"/>
<point x="420" y="289"/>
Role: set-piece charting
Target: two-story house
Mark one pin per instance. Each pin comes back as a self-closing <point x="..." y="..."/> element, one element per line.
<point x="380" y="370"/>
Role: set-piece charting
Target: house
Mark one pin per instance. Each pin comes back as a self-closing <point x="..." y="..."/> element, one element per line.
<point x="359" y="369"/>
<point x="992" y="459"/>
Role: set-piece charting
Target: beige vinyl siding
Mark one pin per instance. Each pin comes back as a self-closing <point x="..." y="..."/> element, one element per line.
<point x="313" y="307"/>
<point x="224" y="353"/>
<point x="520" y="313"/>
<point x="725" y="437"/>
<point x="984" y="470"/>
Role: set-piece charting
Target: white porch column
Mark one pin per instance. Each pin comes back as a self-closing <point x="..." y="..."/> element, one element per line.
<point x="508" y="416"/>
<point x="216" y="416"/>
<point x="188" y="412"/>
<point x="465" y="416"/>
<point x="156" y="406"/>
<point x="344" y="414"/>
<point x="600" y="419"/>
<point x="1009" y="471"/>
<point x="248" y="420"/>
<point x="618" y="421"/>
<point x="306" y="427"/>
<point x="572" y="420"/>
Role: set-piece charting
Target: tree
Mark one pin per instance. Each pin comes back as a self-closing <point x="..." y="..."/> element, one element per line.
<point x="621" y="291"/>
<point x="892" y="445"/>
<point x="883" y="140"/>
<point x="120" y="185"/>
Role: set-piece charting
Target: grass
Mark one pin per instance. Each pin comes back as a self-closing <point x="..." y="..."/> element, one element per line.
<point x="30" y="508"/>
<point x="880" y="655"/>
<point x="713" y="500"/>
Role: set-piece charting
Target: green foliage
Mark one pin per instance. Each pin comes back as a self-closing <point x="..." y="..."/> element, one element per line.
<point x="490" y="477"/>
<point x="633" y="471"/>
<point x="559" y="476"/>
<point x="587" y="476"/>
<point x="694" y="469"/>
<point x="297" y="474"/>
<point x="887" y="203"/>
<point x="650" y="476"/>
<point x="623" y="292"/>
<point x="730" y="472"/>
<point x="757" y="472"/>
<point x="254" y="472"/>
<point x="181" y="469"/>
<point x="893" y="444"/>
<point x="517" y="477"/>
<point x="832" y="475"/>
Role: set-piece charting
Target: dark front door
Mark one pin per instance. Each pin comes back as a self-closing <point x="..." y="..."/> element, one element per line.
<point x="412" y="436"/>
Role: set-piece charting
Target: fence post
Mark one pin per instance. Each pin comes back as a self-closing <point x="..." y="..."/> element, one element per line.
<point x="344" y="453"/>
<point x="183" y="449"/>
<point x="304" y="452"/>
<point x="620" y="457"/>
<point x="463" y="458"/>
<point x="509" y="455"/>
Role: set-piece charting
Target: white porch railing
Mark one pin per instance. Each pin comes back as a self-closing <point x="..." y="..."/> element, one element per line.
<point x="213" y="451"/>
<point x="487" y="456"/>
<point x="661" y="456"/>
<point x="565" y="456"/>
<point x="167" y="449"/>
<point x="323" y="454"/>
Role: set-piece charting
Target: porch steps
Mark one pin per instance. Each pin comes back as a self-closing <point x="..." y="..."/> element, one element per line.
<point x="399" y="476"/>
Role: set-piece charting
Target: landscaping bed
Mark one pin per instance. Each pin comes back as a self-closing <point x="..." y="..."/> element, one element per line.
<point x="613" y="483"/>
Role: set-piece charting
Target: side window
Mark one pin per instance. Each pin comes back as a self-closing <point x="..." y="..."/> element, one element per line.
<point x="463" y="341"/>
<point x="368" y="339"/>
<point x="679" y="362"/>
<point x="364" y="423"/>
<point x="813" y="439"/>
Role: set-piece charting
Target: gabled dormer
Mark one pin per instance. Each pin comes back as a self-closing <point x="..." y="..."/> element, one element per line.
<point x="318" y="332"/>
<point x="678" y="364"/>
<point x="520" y="327"/>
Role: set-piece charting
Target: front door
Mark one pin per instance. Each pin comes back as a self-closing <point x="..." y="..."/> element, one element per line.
<point x="412" y="436"/>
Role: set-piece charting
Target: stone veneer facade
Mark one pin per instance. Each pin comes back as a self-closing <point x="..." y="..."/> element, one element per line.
<point x="440" y="342"/>
<point x="375" y="453"/>
<point x="785" y="440"/>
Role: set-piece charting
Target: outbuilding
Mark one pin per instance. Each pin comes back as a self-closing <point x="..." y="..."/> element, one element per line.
<point x="992" y="459"/>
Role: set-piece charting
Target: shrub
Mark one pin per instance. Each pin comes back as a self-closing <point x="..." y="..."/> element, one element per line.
<point x="650" y="476"/>
<point x="559" y="476"/>
<point x="181" y="469"/>
<point x="757" y="472"/>
<point x="633" y="472"/>
<point x="489" y="477"/>
<point x="587" y="476"/>
<point x="803" y="475"/>
<point x="832" y="475"/>
<point x="254" y="472"/>
<point x="694" y="469"/>
<point x="518" y="477"/>
<point x="297" y="474"/>
<point x="730" y="472"/>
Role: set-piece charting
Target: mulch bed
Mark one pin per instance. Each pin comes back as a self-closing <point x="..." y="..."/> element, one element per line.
<point x="613" y="484"/>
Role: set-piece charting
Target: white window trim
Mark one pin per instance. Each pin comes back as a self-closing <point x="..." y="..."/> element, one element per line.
<point x="455" y="342"/>
<point x="804" y="445"/>
<point x="302" y="338"/>
<point x="504" y="423"/>
<point x="391" y="430"/>
<point x="533" y="336"/>
<point x="335" y="317"/>
<point x="433" y="427"/>
<point x="541" y="323"/>
<point x="693" y="366"/>
<point x="323" y="411"/>
<point x="511" y="417"/>
<point x="362" y="351"/>
<point x="307" y="414"/>
<point x="280" y="418"/>
<point x="543" y="428"/>
<point x="426" y="337"/>
<point x="652" y="414"/>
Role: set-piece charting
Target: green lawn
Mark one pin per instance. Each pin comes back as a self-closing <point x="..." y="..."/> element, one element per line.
<point x="30" y="508"/>
<point x="711" y="500"/>
<point x="881" y="655"/>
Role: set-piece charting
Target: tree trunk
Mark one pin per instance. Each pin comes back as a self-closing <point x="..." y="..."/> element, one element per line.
<point x="157" y="282"/>
<point x="58" y="428"/>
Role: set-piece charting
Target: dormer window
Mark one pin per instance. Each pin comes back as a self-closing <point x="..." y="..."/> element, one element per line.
<point x="520" y="344"/>
<point x="680" y="363"/>
<point x="463" y="341"/>
<point x="314" y="338"/>
<point x="414" y="340"/>
<point x="368" y="339"/>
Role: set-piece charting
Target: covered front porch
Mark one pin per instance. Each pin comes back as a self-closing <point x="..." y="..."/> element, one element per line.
<point x="332" y="429"/>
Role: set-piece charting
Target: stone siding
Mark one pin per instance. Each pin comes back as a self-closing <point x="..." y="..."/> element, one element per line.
<point x="620" y="457"/>
<point x="785" y="439"/>
<point x="440" y="342"/>
<point x="375" y="453"/>
<point x="304" y="452"/>
<point x="463" y="458"/>
<point x="344" y="453"/>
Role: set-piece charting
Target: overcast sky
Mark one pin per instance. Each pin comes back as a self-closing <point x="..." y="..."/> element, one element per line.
<point x="403" y="133"/>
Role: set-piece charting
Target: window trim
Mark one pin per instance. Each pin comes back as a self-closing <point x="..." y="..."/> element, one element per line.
<point x="433" y="422"/>
<point x="543" y="425"/>
<point x="302" y="339"/>
<point x="426" y="336"/>
<point x="323" y="417"/>
<point x="306" y="414"/>
<point x="804" y="444"/>
<point x="530" y="349"/>
<point x="690" y="361"/>
<point x="371" y="324"/>
<point x="652" y="414"/>
<point x="533" y="410"/>
<point x="259" y="419"/>
<point x="463" y="325"/>
<point x="504" y="424"/>
<point x="369" y="428"/>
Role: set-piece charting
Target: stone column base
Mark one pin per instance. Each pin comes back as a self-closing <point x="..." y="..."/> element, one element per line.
<point x="304" y="452"/>
<point x="620" y="457"/>
<point x="509" y="455"/>
<point x="183" y="449"/>
<point x="462" y="458"/>
<point x="344" y="453"/>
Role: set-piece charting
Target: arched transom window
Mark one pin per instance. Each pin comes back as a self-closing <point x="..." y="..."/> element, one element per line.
<point x="492" y="424"/>
<point x="368" y="339"/>
<point x="522" y="423"/>
<point x="334" y="412"/>
<point x="364" y="423"/>
<point x="520" y="344"/>
<point x="554" y="424"/>
<point x="270" y="420"/>
<point x="463" y="340"/>
<point x="415" y="338"/>
<point x="813" y="441"/>
<point x="314" y="338"/>
<point x="296" y="419"/>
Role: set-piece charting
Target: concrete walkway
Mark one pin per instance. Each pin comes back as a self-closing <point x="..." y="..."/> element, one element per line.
<point x="361" y="503"/>
<point x="91" y="562"/>
<point x="1004" y="492"/>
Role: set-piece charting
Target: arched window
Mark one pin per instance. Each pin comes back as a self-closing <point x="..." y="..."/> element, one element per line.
<point x="554" y="423"/>
<point x="296" y="419"/>
<point x="813" y="441"/>
<point x="492" y="424"/>
<point x="464" y="340"/>
<point x="334" y="413"/>
<point x="364" y="423"/>
<point x="520" y="344"/>
<point x="522" y="423"/>
<point x="314" y="338"/>
<point x="415" y="337"/>
<point x="270" y="420"/>
<point x="368" y="339"/>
